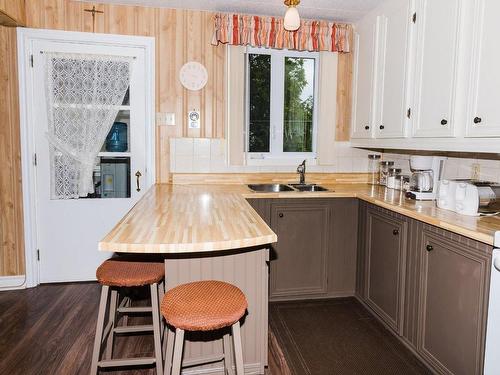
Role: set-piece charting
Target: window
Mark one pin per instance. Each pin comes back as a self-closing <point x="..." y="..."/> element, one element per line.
<point x="281" y="104"/>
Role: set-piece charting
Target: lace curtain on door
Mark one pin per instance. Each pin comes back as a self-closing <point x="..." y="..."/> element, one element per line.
<point x="84" y="93"/>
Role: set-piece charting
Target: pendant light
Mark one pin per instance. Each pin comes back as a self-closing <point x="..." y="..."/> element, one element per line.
<point x="292" y="17"/>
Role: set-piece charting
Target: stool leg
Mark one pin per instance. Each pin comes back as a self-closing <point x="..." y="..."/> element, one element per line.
<point x="238" y="352"/>
<point x="178" y="346"/>
<point x="99" y="328"/>
<point x="156" y="328"/>
<point x="169" y="341"/>
<point x="162" y="322"/>
<point x="228" y="355"/>
<point x="125" y="316"/>
<point x="112" y="320"/>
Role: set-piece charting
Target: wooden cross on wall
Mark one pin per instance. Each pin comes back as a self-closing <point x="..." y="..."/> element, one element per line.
<point x="93" y="11"/>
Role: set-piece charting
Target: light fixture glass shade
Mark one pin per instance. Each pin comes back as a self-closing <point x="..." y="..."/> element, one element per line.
<point x="292" y="19"/>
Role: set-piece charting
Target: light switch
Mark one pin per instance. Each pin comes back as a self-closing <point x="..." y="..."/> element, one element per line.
<point x="165" y="118"/>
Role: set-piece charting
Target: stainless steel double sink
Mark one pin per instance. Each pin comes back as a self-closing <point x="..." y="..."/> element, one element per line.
<point x="277" y="188"/>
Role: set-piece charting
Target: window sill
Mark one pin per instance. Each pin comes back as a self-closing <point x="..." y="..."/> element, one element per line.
<point x="258" y="160"/>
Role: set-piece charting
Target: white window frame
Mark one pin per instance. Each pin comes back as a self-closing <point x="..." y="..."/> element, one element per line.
<point x="276" y="156"/>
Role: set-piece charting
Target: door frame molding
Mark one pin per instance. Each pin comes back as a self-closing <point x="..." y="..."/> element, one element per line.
<point x="25" y="36"/>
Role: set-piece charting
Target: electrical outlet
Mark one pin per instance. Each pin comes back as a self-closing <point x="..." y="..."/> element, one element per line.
<point x="476" y="171"/>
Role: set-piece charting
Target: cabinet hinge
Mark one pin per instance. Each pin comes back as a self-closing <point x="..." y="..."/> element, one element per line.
<point x="408" y="113"/>
<point x="35" y="160"/>
<point x="414" y="18"/>
<point x="38" y="254"/>
<point x="31" y="61"/>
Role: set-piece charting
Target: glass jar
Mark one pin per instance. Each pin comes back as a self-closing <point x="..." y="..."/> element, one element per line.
<point x="373" y="169"/>
<point x="391" y="177"/>
<point x="402" y="183"/>
<point x="384" y="171"/>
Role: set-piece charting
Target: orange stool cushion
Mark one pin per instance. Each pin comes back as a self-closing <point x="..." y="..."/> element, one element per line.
<point x="203" y="305"/>
<point x="122" y="271"/>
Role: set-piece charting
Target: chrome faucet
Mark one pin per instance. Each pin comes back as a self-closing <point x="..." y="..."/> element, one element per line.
<point x="301" y="170"/>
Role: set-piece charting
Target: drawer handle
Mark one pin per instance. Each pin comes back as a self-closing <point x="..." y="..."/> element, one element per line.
<point x="281" y="214"/>
<point x="429" y="248"/>
<point x="395" y="232"/>
<point x="444" y="122"/>
<point x="477" y="120"/>
<point x="382" y="127"/>
<point x="367" y="127"/>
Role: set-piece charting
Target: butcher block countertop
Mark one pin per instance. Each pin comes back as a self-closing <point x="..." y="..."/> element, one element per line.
<point x="184" y="218"/>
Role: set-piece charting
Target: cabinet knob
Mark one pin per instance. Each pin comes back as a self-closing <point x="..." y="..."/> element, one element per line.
<point x="477" y="120"/>
<point x="395" y="232"/>
<point x="367" y="127"/>
<point x="429" y="248"/>
<point x="382" y="127"/>
<point x="444" y="122"/>
<point x="280" y="214"/>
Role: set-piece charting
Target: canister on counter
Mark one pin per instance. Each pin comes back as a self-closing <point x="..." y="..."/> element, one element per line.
<point x="391" y="178"/>
<point x="384" y="171"/>
<point x="373" y="169"/>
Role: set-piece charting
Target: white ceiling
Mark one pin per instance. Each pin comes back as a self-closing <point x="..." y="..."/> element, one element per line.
<point x="338" y="10"/>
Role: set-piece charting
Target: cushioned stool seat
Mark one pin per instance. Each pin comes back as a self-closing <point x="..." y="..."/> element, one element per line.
<point x="125" y="272"/>
<point x="203" y="306"/>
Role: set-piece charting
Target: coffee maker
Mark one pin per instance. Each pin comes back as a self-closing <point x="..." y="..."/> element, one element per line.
<point x="426" y="173"/>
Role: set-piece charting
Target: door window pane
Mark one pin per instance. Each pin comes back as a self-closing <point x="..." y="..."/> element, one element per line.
<point x="260" y="102"/>
<point x="299" y="105"/>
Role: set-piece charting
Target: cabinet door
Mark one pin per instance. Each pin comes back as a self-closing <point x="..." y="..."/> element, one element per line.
<point x="438" y="29"/>
<point x="300" y="264"/>
<point x="454" y="283"/>
<point x="483" y="118"/>
<point x="393" y="69"/>
<point x="385" y="265"/>
<point x="364" y="80"/>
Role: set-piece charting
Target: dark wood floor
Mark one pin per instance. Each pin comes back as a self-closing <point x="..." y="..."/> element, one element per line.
<point x="49" y="330"/>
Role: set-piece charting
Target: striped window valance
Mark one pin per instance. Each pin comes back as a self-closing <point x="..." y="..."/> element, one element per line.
<point x="258" y="31"/>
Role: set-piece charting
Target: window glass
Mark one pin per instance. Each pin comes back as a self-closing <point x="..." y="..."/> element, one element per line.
<point x="259" y="110"/>
<point x="298" y="105"/>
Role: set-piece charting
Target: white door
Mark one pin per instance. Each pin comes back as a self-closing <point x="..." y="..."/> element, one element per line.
<point x="68" y="231"/>
<point x="393" y="69"/>
<point x="438" y="25"/>
<point x="364" y="79"/>
<point x="483" y="118"/>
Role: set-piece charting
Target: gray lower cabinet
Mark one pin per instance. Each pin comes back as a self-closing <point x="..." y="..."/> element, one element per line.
<point x="300" y="265"/>
<point x="315" y="256"/>
<point x="430" y="286"/>
<point x="453" y="301"/>
<point x="385" y="265"/>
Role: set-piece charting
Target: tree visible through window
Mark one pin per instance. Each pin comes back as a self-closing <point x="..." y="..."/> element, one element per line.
<point x="281" y="98"/>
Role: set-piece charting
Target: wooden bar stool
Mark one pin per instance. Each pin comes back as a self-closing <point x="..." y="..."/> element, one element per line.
<point x="127" y="272"/>
<point x="204" y="306"/>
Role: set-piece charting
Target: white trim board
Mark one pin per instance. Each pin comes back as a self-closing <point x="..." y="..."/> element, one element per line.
<point x="12" y="282"/>
<point x="25" y="37"/>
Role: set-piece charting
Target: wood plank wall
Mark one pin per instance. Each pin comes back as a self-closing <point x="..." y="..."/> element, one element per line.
<point x="12" y="12"/>
<point x="181" y="36"/>
<point x="11" y="210"/>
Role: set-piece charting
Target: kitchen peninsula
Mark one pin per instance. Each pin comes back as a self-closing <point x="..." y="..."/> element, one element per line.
<point x="211" y="231"/>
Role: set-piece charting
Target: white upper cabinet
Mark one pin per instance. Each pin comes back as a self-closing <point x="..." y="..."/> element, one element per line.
<point x="483" y="115"/>
<point x="392" y="71"/>
<point x="364" y="77"/>
<point x="435" y="78"/>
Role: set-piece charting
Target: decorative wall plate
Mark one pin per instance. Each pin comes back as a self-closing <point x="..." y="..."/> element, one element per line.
<point x="193" y="76"/>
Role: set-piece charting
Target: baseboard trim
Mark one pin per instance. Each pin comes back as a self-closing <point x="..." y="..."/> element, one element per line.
<point x="12" y="282"/>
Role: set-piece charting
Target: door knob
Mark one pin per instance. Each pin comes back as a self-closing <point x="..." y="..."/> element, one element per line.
<point x="367" y="127"/>
<point x="477" y="120"/>
<point x="444" y="122"/>
<point x="429" y="248"/>
<point x="280" y="214"/>
<point x="395" y="232"/>
<point x="138" y="175"/>
<point x="382" y="127"/>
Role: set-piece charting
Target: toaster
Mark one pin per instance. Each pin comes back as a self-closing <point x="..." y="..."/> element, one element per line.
<point x="468" y="197"/>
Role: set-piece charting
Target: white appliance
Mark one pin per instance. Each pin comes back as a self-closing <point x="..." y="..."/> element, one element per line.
<point x="426" y="174"/>
<point x="492" y="356"/>
<point x="468" y="197"/>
